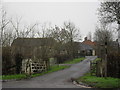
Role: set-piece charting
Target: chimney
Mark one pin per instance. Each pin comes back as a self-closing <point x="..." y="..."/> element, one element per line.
<point x="85" y="39"/>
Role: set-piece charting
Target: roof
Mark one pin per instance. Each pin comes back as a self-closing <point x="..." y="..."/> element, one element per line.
<point x="83" y="46"/>
<point x="33" y="42"/>
<point x="89" y="42"/>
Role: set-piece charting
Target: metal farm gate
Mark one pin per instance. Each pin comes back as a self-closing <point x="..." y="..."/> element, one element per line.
<point x="28" y="66"/>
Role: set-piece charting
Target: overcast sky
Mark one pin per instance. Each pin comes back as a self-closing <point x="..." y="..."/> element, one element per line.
<point x="82" y="14"/>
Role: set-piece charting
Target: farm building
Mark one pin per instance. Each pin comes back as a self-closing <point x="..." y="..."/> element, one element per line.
<point x="88" y="47"/>
<point x="36" y="49"/>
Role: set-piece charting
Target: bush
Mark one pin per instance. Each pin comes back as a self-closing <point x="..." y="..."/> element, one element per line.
<point x="7" y="61"/>
<point x="62" y="58"/>
<point x="113" y="65"/>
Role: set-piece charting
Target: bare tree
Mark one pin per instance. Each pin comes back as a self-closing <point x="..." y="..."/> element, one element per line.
<point x="65" y="37"/>
<point x="6" y="37"/>
<point x="20" y="31"/>
<point x="16" y="25"/>
<point x="73" y="31"/>
<point x="110" y="12"/>
<point x="4" y="23"/>
<point x="102" y="35"/>
<point x="59" y="34"/>
<point x="72" y="35"/>
<point x="30" y="31"/>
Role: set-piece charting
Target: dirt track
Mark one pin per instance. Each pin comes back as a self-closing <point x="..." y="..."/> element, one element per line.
<point x="59" y="79"/>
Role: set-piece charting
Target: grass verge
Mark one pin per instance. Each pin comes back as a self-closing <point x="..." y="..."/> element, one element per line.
<point x="74" y="61"/>
<point x="23" y="76"/>
<point x="97" y="59"/>
<point x="16" y="76"/>
<point x="100" y="82"/>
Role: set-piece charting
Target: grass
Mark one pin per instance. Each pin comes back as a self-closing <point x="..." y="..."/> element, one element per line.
<point x="23" y="76"/>
<point x="97" y="59"/>
<point x="100" y="82"/>
<point x="94" y="65"/>
<point x="52" y="69"/>
<point x="16" y="76"/>
<point x="74" y="61"/>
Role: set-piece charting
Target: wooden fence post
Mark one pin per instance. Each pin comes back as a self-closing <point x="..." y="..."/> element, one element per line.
<point x="91" y="67"/>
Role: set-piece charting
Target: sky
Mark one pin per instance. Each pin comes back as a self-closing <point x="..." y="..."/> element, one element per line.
<point x="82" y="14"/>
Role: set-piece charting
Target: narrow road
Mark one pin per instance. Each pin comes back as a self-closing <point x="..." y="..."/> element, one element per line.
<point x="59" y="79"/>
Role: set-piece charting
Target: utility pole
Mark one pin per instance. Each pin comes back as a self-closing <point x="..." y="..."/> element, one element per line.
<point x="117" y="67"/>
<point x="106" y="56"/>
<point x="118" y="38"/>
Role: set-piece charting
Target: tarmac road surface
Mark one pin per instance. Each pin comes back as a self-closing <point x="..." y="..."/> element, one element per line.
<point x="59" y="79"/>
